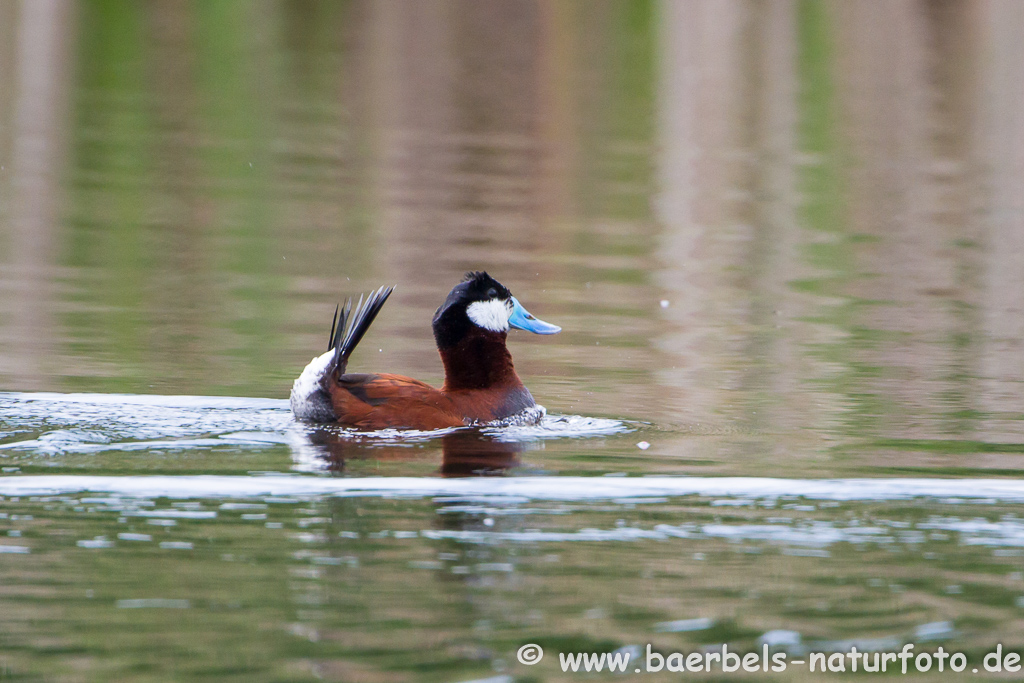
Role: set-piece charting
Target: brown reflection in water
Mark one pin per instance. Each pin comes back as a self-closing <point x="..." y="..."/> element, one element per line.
<point x="1001" y="140"/>
<point x="464" y="453"/>
<point x="697" y="125"/>
<point x="37" y="96"/>
<point x="181" y="215"/>
<point x="735" y="330"/>
<point x="904" y="89"/>
<point x="455" y="113"/>
<point x="470" y="453"/>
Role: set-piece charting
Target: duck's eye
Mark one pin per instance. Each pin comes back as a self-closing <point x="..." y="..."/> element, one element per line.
<point x="491" y="293"/>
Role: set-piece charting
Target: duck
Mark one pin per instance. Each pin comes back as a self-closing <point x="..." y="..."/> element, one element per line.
<point x="480" y="382"/>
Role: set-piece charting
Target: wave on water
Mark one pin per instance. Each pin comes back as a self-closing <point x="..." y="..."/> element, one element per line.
<point x="560" y="427"/>
<point x="90" y="423"/>
<point x="552" y="488"/>
<point x="54" y="424"/>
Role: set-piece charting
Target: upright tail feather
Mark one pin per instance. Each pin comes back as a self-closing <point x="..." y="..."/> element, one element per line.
<point x="350" y="324"/>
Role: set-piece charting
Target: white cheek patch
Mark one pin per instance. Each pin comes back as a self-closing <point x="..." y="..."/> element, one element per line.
<point x="491" y="315"/>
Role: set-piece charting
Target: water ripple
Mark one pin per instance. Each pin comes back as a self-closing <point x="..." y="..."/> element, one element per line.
<point x="979" y="491"/>
<point x="54" y="424"/>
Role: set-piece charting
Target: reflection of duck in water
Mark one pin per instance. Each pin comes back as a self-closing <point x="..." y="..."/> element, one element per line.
<point x="480" y="383"/>
<point x="464" y="453"/>
<point x="469" y="453"/>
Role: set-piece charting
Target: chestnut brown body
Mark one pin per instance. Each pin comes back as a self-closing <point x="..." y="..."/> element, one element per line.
<point x="481" y="385"/>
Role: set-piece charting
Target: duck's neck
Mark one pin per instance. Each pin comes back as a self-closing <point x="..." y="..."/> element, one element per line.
<point x="480" y="360"/>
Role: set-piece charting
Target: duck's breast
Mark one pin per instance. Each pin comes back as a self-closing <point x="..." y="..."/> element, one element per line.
<point x="493" y="403"/>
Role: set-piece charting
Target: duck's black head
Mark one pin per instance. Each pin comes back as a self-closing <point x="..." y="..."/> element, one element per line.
<point x="470" y="328"/>
<point x="478" y="302"/>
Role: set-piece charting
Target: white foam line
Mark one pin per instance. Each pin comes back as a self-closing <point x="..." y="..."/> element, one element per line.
<point x="182" y="401"/>
<point x="531" y="488"/>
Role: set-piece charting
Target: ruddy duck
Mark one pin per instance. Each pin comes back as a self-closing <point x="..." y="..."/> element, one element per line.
<point x="480" y="384"/>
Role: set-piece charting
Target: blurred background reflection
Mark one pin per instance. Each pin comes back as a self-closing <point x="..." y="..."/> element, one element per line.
<point x="786" y="215"/>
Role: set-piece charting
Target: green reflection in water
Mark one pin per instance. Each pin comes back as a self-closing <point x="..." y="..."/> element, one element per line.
<point x="110" y="239"/>
<point x="238" y="83"/>
<point x="824" y="211"/>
